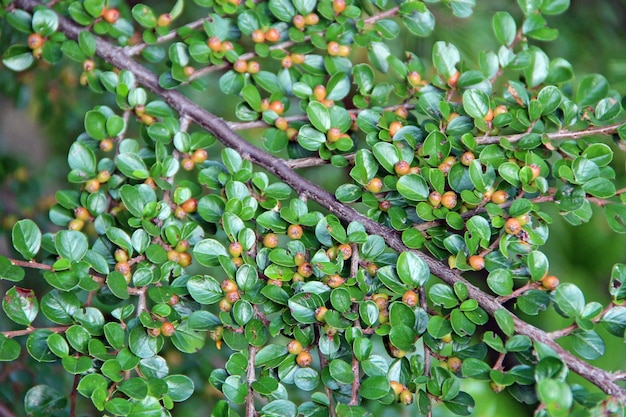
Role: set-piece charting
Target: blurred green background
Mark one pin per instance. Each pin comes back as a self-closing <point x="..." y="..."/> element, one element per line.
<point x="42" y="114"/>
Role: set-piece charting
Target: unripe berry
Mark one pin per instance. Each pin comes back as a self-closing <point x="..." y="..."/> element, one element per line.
<point x="199" y="156"/>
<point x="272" y="35"/>
<point x="402" y="168"/>
<point x="512" y="226"/>
<point x="215" y="44"/>
<point x="235" y="249"/>
<point x="434" y="198"/>
<point x="286" y="62"/>
<point x="344" y="51"/>
<point x="294" y="347"/>
<point x="75" y="224"/>
<point x="81" y="213"/>
<point x="237" y="261"/>
<point x="258" y="36"/>
<point x="297" y="277"/>
<point x="299" y="258"/>
<point x="345" y="251"/>
<point x="501" y="109"/>
<point x="414" y="78"/>
<point x="240" y="66"/>
<point x="294" y="231"/>
<point x="383" y="316"/>
<point x="397" y="387"/>
<point x="499" y="197"/>
<point x="304" y="359"/>
<point x="122" y="267"/>
<point x="88" y="65"/>
<point x="92" y="186"/>
<point x="270" y="240"/>
<point x="190" y="206"/>
<point x="298" y="21"/>
<point x="402" y="112"/>
<point x="372" y="269"/>
<point x="174" y="299"/>
<point x="106" y="145"/>
<point x="227" y="46"/>
<point x="335" y="281"/>
<point x="306" y="269"/>
<point x="489" y="116"/>
<point x="254" y="67"/>
<point x="319" y="92"/>
<point x="277" y="107"/>
<point x="374" y="185"/>
<point x="495" y="387"/>
<point x="120" y="255"/>
<point x="536" y="170"/>
<point x="454" y="364"/>
<point x="477" y="262"/>
<point x="453" y="79"/>
<point x="189" y="70"/>
<point x="467" y="158"/>
<point x="448" y="199"/>
<point x="167" y="329"/>
<point x="229" y="285"/>
<point x="339" y="6"/>
<point x="298" y="58"/>
<point x="164" y="20"/>
<point x="523" y="219"/>
<point x="187" y="164"/>
<point x="410" y="298"/>
<point x="281" y="123"/>
<point x="446" y="338"/>
<point x="550" y="282"/>
<point x="232" y="296"/>
<point x="147" y="119"/>
<point x="394" y="127"/>
<point x="384" y="205"/>
<point x="311" y="19"/>
<point x="333" y="134"/>
<point x="35" y="40"/>
<point x="406" y="397"/>
<point x="320" y="312"/>
<point x="184" y="259"/>
<point x="179" y="213"/>
<point x="224" y="305"/>
<point x="333" y="48"/>
<point x="182" y="246"/>
<point x="292" y="134"/>
<point x="173" y="256"/>
<point x="111" y="15"/>
<point x="154" y="332"/>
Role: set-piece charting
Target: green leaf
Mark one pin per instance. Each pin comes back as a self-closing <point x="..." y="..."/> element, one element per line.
<point x="412" y="269"/>
<point x="476" y="103"/>
<point x="20" y="305"/>
<point x="591" y="89"/>
<point x="341" y="371"/>
<point x="413" y="187"/>
<point x="589" y="345"/>
<point x="282" y="9"/>
<point x="374" y="387"/>
<point x="179" y="387"/>
<point x="206" y="252"/>
<point x="570" y="299"/>
<point x="310" y="139"/>
<point x="614" y="321"/>
<point x="445" y="57"/>
<point x="131" y="165"/>
<point x="318" y="115"/>
<point x="552" y="7"/>
<point x="26" y="238"/>
<point x="9" y="271"/>
<point x="500" y="281"/>
<point x="45" y="22"/>
<point x="556" y="396"/>
<point x="279" y="408"/>
<point x="505" y="321"/>
<point x="419" y="23"/>
<point x="9" y="349"/>
<point x="43" y="400"/>
<point x="18" y="58"/>
<point x="504" y="28"/>
<point x="441" y="294"/>
<point x="616" y="217"/>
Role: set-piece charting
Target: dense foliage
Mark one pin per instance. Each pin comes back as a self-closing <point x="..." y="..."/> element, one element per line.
<point x="417" y="272"/>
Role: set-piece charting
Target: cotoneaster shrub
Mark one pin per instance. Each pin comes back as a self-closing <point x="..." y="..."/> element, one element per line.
<point x="177" y="236"/>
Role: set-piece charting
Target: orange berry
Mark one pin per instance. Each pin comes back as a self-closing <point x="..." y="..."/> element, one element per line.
<point x="199" y="155"/>
<point x="339" y="6"/>
<point x="189" y="70"/>
<point x="188" y="164"/>
<point x="512" y="226"/>
<point x="434" y="198"/>
<point x="286" y="62"/>
<point x="384" y="205"/>
<point x="319" y="92"/>
<point x="35" y="40"/>
<point x="402" y="112"/>
<point x="320" y="312"/>
<point x="265" y="104"/>
<point x="235" y="249"/>
<point x="254" y="67"/>
<point x="167" y="329"/>
<point x="81" y="213"/>
<point x="410" y="298"/>
<point x="240" y="66"/>
<point x="489" y="116"/>
<point x="501" y="109"/>
<point x="372" y="269"/>
<point x="297" y="58"/>
<point x="272" y="35"/>
<point x="448" y="199"/>
<point x="394" y="127"/>
<point x="406" y="397"/>
<point x="304" y="359"/>
<point x="333" y="134"/>
<point x="106" y="145"/>
<point x="120" y="255"/>
<point x="122" y="267"/>
<point x="75" y="224"/>
<point x="306" y="270"/>
<point x="190" y="206"/>
<point x="227" y="46"/>
<point x="270" y="240"/>
<point x="88" y="65"/>
<point x="92" y="186"/>
<point x="453" y="79"/>
<point x="184" y="259"/>
<point x="232" y="296"/>
<point x="147" y="119"/>
<point x="311" y="19"/>
<point x="215" y="44"/>
<point x="499" y="197"/>
<point x="467" y="158"/>
<point x="536" y="170"/>
<point x="294" y="231"/>
<point x="258" y="36"/>
<point x="164" y="20"/>
<point x="477" y="262"/>
<point x="298" y="21"/>
<point x="111" y="15"/>
<point x="294" y="347"/>
<point x="345" y="251"/>
<point x="550" y="282"/>
<point x="173" y="256"/>
<point x="333" y="48"/>
<point x="335" y="281"/>
<point x="402" y="168"/>
<point x="174" y="299"/>
<point x="281" y="123"/>
<point x="414" y="78"/>
<point x="344" y="51"/>
<point x="292" y="134"/>
<point x="224" y="305"/>
<point x="277" y="106"/>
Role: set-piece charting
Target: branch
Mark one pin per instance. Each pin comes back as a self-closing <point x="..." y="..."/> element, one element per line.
<point x="171" y="35"/>
<point x="14" y="333"/>
<point x="561" y="134"/>
<point x="218" y="127"/>
<point x="5" y="412"/>
<point x="250" y="378"/>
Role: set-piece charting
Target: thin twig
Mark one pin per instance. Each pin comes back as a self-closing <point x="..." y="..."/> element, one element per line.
<point x="424" y="306"/>
<point x="73" y="396"/>
<point x="171" y="35"/>
<point x="29" y="330"/>
<point x="250" y="378"/>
